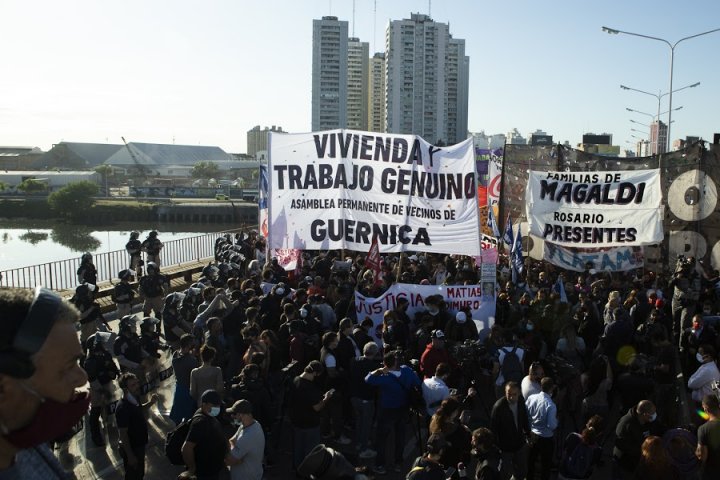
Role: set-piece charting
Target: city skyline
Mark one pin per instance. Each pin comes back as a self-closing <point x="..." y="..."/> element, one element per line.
<point x="168" y="72"/>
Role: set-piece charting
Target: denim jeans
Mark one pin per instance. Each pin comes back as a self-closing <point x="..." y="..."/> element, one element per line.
<point x="390" y="419"/>
<point x="304" y="440"/>
<point x="364" y="413"/>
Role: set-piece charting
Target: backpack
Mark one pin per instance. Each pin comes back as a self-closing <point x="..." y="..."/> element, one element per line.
<point x="511" y="369"/>
<point x="580" y="462"/>
<point x="175" y="439"/>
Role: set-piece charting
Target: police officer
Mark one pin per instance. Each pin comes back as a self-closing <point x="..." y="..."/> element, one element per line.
<point x="91" y="319"/>
<point x="124" y="293"/>
<point x="101" y="370"/>
<point x="152" y="246"/>
<point x="152" y="288"/>
<point x="174" y="325"/>
<point x="134" y="249"/>
<point x="87" y="273"/>
<point x="151" y="344"/>
<point x="128" y="349"/>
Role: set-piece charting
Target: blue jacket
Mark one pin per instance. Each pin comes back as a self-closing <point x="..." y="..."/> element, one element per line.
<point x="392" y="393"/>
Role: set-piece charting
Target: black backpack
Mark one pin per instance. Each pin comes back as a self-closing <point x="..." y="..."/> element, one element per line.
<point x="579" y="463"/>
<point x="511" y="369"/>
<point x="175" y="439"/>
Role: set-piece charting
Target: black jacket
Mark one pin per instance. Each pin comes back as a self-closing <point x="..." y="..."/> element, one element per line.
<point x="510" y="437"/>
<point x="629" y="436"/>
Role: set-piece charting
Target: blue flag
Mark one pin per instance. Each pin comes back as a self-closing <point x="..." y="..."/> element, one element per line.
<point x="559" y="288"/>
<point x="517" y="256"/>
<point x="508" y="237"/>
<point x="492" y="223"/>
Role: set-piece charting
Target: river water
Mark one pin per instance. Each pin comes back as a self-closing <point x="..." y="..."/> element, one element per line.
<point x="32" y="242"/>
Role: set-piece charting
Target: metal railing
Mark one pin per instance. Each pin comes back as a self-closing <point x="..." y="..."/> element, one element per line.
<point x="62" y="274"/>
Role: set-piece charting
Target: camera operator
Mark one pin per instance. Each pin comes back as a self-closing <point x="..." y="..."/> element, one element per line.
<point x="435" y="388"/>
<point x="435" y="353"/>
<point x="101" y="371"/>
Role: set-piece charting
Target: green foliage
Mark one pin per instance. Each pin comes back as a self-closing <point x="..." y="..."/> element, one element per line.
<point x="205" y="170"/>
<point x="3" y="186"/>
<point x="74" y="198"/>
<point x="30" y="185"/>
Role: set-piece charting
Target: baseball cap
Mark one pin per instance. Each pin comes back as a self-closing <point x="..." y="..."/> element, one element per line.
<point x="241" y="406"/>
<point x="437" y="334"/>
<point x="212" y="397"/>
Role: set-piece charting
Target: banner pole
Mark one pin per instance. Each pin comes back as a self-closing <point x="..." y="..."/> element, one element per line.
<point x="501" y="202"/>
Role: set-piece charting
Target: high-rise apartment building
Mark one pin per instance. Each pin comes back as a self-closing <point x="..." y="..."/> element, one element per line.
<point x="257" y="139"/>
<point x="658" y="137"/>
<point x="329" y="74"/>
<point x="427" y="78"/>
<point x="376" y="97"/>
<point x="357" y="84"/>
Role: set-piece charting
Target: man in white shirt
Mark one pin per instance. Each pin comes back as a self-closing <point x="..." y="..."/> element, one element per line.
<point x="531" y="383"/>
<point x="247" y="446"/>
<point x="701" y="381"/>
<point x="542" y="413"/>
<point x="435" y="390"/>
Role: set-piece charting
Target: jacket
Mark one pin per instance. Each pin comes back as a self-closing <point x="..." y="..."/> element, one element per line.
<point x="511" y="438"/>
<point x="394" y="391"/>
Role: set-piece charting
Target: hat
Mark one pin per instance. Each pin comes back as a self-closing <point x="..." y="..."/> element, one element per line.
<point x="413" y="258"/>
<point x="437" y="334"/>
<point x="241" y="406"/>
<point x="212" y="397"/>
<point x="460" y="317"/>
<point x="151" y="320"/>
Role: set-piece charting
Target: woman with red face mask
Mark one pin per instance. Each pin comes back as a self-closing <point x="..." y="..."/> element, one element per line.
<point x="39" y="375"/>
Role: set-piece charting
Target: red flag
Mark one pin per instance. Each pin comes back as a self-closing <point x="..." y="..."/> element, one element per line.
<point x="372" y="261"/>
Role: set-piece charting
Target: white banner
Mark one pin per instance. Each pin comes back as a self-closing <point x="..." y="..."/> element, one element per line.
<point x="480" y="299"/>
<point x="619" y="259"/>
<point x="494" y="180"/>
<point x="339" y="188"/>
<point x="596" y="209"/>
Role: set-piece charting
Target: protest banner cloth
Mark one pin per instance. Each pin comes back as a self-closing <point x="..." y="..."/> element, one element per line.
<point x="339" y="188"/>
<point x="494" y="180"/>
<point x="617" y="259"/>
<point x="595" y="209"/>
<point x="262" y="201"/>
<point x="288" y="258"/>
<point x="372" y="261"/>
<point x="482" y="305"/>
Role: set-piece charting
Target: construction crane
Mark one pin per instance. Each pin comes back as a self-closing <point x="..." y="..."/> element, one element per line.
<point x="142" y="169"/>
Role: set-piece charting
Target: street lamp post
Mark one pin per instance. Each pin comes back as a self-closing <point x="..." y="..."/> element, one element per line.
<point x="672" y="62"/>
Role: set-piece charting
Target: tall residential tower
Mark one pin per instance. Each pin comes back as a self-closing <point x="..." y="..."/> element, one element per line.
<point x="427" y="78"/>
<point x="329" y="74"/>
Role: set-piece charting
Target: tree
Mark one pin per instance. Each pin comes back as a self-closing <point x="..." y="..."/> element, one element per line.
<point x="74" y="198"/>
<point x="30" y="185"/>
<point x="2" y="186"/>
<point x="205" y="170"/>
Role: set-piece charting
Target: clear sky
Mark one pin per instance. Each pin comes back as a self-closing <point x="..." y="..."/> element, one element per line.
<point x="206" y="72"/>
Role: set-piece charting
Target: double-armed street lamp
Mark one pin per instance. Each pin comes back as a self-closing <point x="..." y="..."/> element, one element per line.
<point x="672" y="46"/>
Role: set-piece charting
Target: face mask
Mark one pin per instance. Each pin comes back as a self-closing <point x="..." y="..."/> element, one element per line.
<point x="530" y="327"/>
<point x="280" y="291"/>
<point x="653" y="417"/>
<point x="303" y="313"/>
<point x="433" y="311"/>
<point x="52" y="420"/>
<point x="707" y="311"/>
<point x="214" y="411"/>
<point x="237" y="423"/>
<point x="699" y="357"/>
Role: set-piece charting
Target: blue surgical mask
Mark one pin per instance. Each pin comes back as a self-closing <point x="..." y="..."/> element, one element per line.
<point x="214" y="411"/>
<point x="653" y="417"/>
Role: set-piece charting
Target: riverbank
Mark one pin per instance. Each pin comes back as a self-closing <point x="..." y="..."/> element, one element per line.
<point x="109" y="211"/>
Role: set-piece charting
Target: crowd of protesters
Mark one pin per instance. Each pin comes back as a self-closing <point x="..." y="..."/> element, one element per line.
<point x="569" y="356"/>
